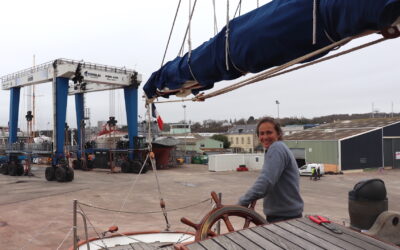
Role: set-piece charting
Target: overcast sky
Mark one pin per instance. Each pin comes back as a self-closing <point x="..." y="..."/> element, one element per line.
<point x="133" y="33"/>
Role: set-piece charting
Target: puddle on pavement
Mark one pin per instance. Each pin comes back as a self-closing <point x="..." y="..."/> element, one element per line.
<point x="20" y="181"/>
<point x="188" y="184"/>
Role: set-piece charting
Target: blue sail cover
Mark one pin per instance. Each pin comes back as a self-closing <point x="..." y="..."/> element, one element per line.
<point x="271" y="35"/>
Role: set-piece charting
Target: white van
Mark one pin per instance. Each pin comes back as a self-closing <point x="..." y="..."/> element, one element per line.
<point x="306" y="169"/>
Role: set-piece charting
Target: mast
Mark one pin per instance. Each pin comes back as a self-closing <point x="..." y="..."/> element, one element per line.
<point x="33" y="125"/>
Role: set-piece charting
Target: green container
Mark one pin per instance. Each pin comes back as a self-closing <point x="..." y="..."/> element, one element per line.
<point x="204" y="159"/>
<point x="196" y="160"/>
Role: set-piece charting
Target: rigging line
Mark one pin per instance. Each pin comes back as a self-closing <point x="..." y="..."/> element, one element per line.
<point x="182" y="100"/>
<point x="170" y="33"/>
<point x="187" y="30"/>
<point x="66" y="236"/>
<point x="131" y="188"/>
<point x="34" y="237"/>
<point x="267" y="74"/>
<point x="325" y="58"/>
<point x="182" y="239"/>
<point x="238" y="8"/>
<point x="314" y="35"/>
<point x="277" y="69"/>
<point x="189" y="40"/>
<point x="188" y="227"/>
<point x="148" y="212"/>
<point x="227" y="37"/>
<point x="130" y="237"/>
<point x="94" y="228"/>
<point x="215" y="19"/>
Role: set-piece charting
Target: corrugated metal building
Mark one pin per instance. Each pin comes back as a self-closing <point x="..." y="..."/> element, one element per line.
<point x="352" y="144"/>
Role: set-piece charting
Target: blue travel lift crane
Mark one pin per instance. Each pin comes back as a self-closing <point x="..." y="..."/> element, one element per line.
<point x="76" y="78"/>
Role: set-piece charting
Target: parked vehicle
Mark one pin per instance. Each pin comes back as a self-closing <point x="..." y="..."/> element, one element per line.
<point x="306" y="169"/>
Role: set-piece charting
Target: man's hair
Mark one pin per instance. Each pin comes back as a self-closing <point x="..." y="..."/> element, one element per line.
<point x="276" y="124"/>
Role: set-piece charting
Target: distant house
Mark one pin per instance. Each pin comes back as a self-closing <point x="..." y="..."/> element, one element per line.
<point x="352" y="144"/>
<point x="179" y="128"/>
<point x="243" y="138"/>
<point x="198" y="144"/>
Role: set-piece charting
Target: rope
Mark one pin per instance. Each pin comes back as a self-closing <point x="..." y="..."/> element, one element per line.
<point x="130" y="237"/>
<point x="190" y="32"/>
<point x="278" y="70"/>
<point x="227" y="48"/>
<point x="148" y="212"/>
<point x="39" y="233"/>
<point x="272" y="71"/>
<point x="94" y="228"/>
<point x="187" y="30"/>
<point x="190" y="43"/>
<point x="130" y="189"/>
<point x="227" y="37"/>
<point x="65" y="238"/>
<point x="153" y="165"/>
<point x="215" y="19"/>
<point x="314" y="35"/>
<point x="188" y="227"/>
<point x="170" y="33"/>
<point x="238" y="8"/>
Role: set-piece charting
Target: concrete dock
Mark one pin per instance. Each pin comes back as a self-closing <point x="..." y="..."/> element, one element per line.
<point x="37" y="214"/>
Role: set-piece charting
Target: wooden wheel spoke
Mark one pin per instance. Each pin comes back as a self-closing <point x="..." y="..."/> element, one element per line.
<point x="211" y="233"/>
<point x="229" y="215"/>
<point x="247" y="222"/>
<point x="228" y="223"/>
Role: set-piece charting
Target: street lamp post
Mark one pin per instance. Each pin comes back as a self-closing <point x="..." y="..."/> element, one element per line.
<point x="184" y="114"/>
<point x="277" y="105"/>
<point x="184" y="125"/>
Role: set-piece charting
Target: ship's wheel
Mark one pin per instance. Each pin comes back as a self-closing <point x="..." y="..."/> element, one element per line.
<point x="229" y="215"/>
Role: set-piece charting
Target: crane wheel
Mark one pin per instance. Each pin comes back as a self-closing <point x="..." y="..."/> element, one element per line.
<point x="50" y="174"/>
<point x="61" y="174"/>
<point x="19" y="169"/>
<point x="69" y="174"/>
<point x="4" y="168"/>
<point x="12" y="169"/>
<point x="124" y="167"/>
<point x="135" y="167"/>
<point x="76" y="164"/>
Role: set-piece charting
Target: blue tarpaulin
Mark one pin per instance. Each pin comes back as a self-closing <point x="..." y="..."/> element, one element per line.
<point x="271" y="35"/>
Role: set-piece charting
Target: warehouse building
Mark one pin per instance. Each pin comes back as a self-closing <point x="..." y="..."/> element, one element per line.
<point x="351" y="144"/>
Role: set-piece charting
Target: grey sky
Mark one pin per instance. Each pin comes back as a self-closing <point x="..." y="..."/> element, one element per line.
<point x="133" y="34"/>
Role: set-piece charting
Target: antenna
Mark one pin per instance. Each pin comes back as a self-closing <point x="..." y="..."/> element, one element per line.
<point x="392" y="109"/>
<point x="372" y="111"/>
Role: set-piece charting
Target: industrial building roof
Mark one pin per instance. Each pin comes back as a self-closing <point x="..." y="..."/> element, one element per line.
<point x="342" y="129"/>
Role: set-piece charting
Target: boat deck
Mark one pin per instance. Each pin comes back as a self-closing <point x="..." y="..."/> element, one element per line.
<point x="292" y="234"/>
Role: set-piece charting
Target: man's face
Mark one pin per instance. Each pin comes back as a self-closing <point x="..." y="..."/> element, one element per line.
<point x="267" y="134"/>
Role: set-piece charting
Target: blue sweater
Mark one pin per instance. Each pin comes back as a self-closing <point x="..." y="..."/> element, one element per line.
<point x="278" y="183"/>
